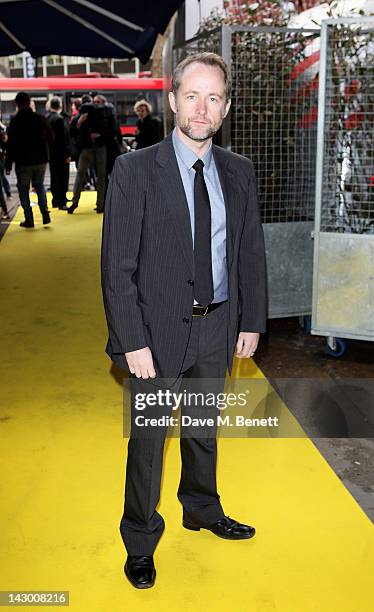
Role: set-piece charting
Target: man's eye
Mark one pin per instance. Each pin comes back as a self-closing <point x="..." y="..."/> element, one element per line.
<point x="190" y="97"/>
<point x="213" y="99"/>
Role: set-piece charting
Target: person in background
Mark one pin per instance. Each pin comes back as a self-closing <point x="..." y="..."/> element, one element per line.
<point x="29" y="138"/>
<point x="73" y="131"/>
<point x="149" y="128"/>
<point x="59" y="159"/>
<point x="90" y="179"/>
<point x="112" y="136"/>
<point x="3" y="178"/>
<point x="90" y="133"/>
<point x="66" y="117"/>
<point x="75" y="106"/>
<point x="3" y="140"/>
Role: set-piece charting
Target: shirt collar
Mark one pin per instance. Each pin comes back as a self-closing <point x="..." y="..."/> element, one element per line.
<point x="188" y="156"/>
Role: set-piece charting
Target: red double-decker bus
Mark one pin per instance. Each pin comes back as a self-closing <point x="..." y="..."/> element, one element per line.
<point x="122" y="93"/>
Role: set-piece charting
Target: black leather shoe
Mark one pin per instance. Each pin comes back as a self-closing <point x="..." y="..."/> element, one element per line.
<point x="225" y="528"/>
<point x="46" y="219"/>
<point x="72" y="208"/>
<point x="63" y="207"/>
<point x="27" y="224"/>
<point x="140" y="570"/>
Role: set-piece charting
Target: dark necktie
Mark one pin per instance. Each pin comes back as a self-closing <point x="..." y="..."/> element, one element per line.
<point x="202" y="240"/>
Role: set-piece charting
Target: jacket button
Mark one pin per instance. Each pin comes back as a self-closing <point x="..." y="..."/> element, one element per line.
<point x="185" y="320"/>
<point x="191" y="282"/>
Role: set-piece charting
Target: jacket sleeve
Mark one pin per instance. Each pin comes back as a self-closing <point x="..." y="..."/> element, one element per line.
<point x="48" y="133"/>
<point x="62" y="136"/>
<point x="109" y="132"/>
<point x="67" y="142"/>
<point x="9" y="157"/>
<point x="121" y="238"/>
<point x="252" y="267"/>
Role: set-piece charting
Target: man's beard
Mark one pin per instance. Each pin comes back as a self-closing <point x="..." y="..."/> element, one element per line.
<point x="187" y="129"/>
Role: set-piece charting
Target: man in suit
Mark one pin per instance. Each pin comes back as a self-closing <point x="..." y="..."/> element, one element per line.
<point x="183" y="276"/>
<point x="59" y="158"/>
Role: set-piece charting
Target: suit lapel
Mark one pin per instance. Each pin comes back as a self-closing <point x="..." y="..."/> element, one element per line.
<point x="175" y="197"/>
<point x="227" y="180"/>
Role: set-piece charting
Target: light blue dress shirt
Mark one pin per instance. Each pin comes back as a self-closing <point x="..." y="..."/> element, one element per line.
<point x="186" y="159"/>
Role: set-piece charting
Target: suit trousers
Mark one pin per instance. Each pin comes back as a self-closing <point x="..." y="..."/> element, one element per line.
<point x="27" y="175"/>
<point x="59" y="169"/>
<point x="203" y="371"/>
<point x="91" y="156"/>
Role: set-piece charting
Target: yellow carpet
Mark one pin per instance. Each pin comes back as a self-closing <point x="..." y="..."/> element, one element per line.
<point x="63" y="459"/>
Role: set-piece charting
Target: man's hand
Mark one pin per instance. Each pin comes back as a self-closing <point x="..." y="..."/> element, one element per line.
<point x="247" y="344"/>
<point x="95" y="135"/>
<point x="141" y="363"/>
<point x="82" y="119"/>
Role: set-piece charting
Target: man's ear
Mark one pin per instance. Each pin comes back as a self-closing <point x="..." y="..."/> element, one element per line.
<point x="172" y="102"/>
<point x="227" y="107"/>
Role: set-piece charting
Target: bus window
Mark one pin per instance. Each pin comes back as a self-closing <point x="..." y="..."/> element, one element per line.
<point x="8" y="106"/>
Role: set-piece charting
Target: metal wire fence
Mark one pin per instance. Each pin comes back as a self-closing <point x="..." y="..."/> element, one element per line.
<point x="347" y="194"/>
<point x="209" y="41"/>
<point x="273" y="119"/>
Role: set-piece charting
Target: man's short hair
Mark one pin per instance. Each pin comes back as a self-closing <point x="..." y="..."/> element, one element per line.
<point x="143" y="103"/>
<point x="101" y="98"/>
<point x="22" y="99"/>
<point x="208" y="59"/>
<point x="55" y="103"/>
<point x="86" y="99"/>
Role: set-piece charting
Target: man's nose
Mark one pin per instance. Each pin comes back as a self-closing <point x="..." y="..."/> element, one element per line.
<point x="201" y="107"/>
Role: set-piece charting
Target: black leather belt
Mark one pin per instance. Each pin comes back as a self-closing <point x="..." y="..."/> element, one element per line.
<point x="202" y="311"/>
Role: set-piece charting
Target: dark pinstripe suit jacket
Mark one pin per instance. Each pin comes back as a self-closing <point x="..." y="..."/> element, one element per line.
<point x="147" y="255"/>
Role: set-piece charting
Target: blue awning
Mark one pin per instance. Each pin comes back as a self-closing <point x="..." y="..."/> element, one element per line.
<point x="104" y="28"/>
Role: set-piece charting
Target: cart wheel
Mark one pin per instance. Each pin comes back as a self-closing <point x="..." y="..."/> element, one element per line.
<point x="335" y="347"/>
<point x="307" y="323"/>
